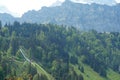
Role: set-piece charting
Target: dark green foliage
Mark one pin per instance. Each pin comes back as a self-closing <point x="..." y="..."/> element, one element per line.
<point x="81" y="68"/>
<point x="73" y="60"/>
<point x="55" y="48"/>
<point x="43" y="77"/>
<point x="73" y="75"/>
<point x="0" y="25"/>
<point x="80" y="77"/>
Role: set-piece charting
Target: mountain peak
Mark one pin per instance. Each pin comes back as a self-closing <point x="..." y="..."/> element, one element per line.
<point x="101" y="2"/>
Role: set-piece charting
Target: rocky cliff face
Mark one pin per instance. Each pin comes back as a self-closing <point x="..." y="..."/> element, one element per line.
<point x="84" y="16"/>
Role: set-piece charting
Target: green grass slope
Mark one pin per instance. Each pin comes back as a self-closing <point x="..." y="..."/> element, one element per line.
<point x="40" y="70"/>
<point x="113" y="75"/>
<point x="90" y="74"/>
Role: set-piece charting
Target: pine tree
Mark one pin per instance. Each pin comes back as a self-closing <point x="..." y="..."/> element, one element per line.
<point x="0" y="25"/>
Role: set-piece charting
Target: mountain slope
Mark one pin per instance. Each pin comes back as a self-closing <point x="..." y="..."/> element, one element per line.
<point x="7" y="18"/>
<point x="84" y="16"/>
<point x="62" y="52"/>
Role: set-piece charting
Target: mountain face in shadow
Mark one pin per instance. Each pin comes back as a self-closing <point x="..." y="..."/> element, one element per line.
<point x="6" y="18"/>
<point x="84" y="16"/>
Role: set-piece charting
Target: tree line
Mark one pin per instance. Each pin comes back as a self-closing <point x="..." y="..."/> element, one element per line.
<point x="57" y="47"/>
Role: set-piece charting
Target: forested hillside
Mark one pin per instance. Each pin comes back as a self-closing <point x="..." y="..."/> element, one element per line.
<point x="62" y="52"/>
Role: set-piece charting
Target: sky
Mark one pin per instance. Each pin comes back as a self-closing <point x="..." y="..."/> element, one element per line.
<point x="19" y="7"/>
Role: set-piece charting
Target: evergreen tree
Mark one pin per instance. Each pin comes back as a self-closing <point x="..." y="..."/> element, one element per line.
<point x="0" y="25"/>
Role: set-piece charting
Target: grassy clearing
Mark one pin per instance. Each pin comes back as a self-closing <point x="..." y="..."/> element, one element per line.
<point x="112" y="75"/>
<point x="40" y="70"/>
<point x="90" y="74"/>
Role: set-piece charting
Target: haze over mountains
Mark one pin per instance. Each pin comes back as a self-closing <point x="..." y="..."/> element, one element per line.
<point x="14" y="7"/>
<point x="84" y="16"/>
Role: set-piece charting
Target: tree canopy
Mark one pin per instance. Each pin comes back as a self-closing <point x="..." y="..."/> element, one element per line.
<point x="57" y="49"/>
